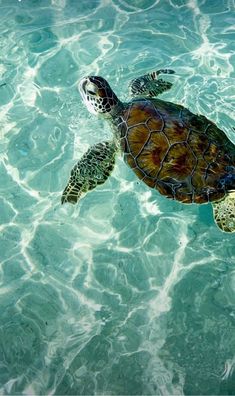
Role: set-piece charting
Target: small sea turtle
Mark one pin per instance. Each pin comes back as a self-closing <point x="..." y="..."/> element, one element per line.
<point x="182" y="155"/>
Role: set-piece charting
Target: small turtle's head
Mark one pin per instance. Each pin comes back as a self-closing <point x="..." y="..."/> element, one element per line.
<point x="98" y="96"/>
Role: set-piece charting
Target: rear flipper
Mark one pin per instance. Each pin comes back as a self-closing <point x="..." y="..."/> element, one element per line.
<point x="93" y="169"/>
<point x="224" y="213"/>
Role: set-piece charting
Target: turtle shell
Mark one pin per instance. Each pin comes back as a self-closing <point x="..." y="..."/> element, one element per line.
<point x="183" y="155"/>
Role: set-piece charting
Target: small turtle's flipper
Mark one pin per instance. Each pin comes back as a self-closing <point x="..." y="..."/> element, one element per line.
<point x="94" y="168"/>
<point x="224" y="213"/>
<point x="72" y="191"/>
<point x="149" y="85"/>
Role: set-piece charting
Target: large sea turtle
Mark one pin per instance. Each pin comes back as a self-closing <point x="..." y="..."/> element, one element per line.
<point x="182" y="155"/>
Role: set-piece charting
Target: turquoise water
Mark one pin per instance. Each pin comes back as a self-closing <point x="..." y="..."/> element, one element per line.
<point x="127" y="292"/>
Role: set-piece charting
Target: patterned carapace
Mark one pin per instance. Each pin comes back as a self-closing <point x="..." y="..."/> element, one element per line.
<point x="183" y="155"/>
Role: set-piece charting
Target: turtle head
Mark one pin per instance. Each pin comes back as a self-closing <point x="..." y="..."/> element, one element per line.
<point x="98" y="96"/>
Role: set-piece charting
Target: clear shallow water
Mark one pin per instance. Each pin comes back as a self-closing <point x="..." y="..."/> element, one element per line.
<point x="126" y="293"/>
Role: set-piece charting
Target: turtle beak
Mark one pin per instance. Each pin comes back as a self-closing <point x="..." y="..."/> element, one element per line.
<point x="90" y="104"/>
<point x="82" y="85"/>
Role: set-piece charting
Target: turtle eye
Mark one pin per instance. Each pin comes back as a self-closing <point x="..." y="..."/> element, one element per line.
<point x="91" y="92"/>
<point x="91" y="89"/>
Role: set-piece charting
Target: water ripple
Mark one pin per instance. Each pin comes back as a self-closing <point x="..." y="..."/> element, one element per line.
<point x="127" y="292"/>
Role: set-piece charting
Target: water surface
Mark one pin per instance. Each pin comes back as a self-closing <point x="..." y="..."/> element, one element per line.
<point x="126" y="292"/>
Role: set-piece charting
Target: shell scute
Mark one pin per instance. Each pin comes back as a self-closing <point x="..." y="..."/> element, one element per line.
<point x="184" y="156"/>
<point x="175" y="132"/>
<point x="155" y="124"/>
<point x="138" y="136"/>
<point x="153" y="154"/>
<point x="179" y="162"/>
<point x="197" y="123"/>
<point x="139" y="113"/>
<point x="198" y="143"/>
<point x="211" y="152"/>
<point x="199" y="174"/>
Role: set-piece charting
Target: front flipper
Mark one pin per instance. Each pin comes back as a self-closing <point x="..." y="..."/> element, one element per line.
<point x="92" y="169"/>
<point x="149" y="85"/>
<point x="224" y="213"/>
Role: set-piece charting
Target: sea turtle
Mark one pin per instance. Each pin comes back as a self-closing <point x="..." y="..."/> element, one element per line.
<point x="184" y="156"/>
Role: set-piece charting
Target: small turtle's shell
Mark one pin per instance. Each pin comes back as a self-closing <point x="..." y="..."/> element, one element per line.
<point x="185" y="156"/>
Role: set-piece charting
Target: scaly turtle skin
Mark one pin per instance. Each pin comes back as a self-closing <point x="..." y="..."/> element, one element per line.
<point x="184" y="156"/>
